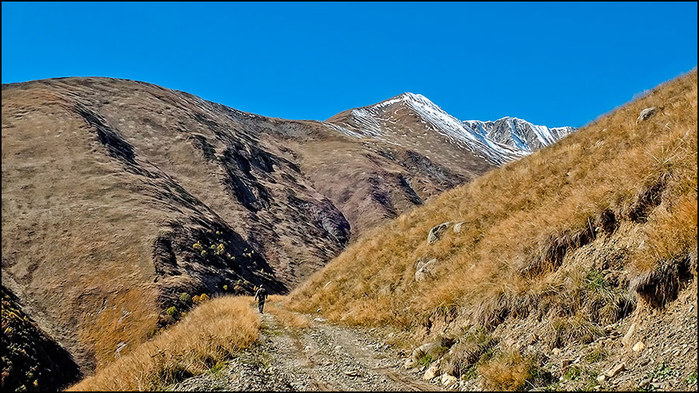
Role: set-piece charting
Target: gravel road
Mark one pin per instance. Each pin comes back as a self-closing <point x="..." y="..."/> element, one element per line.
<point x="321" y="356"/>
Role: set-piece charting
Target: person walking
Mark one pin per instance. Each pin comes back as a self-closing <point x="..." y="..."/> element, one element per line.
<point x="261" y="295"/>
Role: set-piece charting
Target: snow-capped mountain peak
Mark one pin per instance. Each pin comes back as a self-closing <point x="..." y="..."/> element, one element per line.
<point x="498" y="141"/>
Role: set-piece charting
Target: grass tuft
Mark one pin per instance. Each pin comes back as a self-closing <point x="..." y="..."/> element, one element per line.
<point x="507" y="371"/>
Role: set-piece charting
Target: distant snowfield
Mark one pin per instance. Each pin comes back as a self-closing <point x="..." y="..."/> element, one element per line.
<point x="498" y="141"/>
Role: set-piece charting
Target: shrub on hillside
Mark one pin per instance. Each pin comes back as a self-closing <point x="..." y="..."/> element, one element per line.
<point x="468" y="351"/>
<point x="185" y="300"/>
<point x="172" y="312"/>
<point x="508" y="370"/>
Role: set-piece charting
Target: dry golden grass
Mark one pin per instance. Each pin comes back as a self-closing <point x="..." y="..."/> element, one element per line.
<point x="275" y="305"/>
<point x="112" y="327"/>
<point x="506" y="371"/>
<point x="615" y="177"/>
<point x="208" y="334"/>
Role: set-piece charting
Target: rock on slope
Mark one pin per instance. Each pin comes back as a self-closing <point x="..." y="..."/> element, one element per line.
<point x="117" y="196"/>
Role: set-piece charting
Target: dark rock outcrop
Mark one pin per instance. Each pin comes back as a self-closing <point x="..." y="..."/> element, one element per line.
<point x="31" y="360"/>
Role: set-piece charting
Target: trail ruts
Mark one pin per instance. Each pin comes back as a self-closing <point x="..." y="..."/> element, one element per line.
<point x="321" y="356"/>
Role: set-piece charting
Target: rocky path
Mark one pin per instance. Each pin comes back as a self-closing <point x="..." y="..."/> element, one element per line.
<point x="321" y="356"/>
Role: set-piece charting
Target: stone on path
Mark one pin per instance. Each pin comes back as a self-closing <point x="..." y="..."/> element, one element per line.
<point x="448" y="380"/>
<point x="614" y="371"/>
<point x="432" y="371"/>
<point x="627" y="338"/>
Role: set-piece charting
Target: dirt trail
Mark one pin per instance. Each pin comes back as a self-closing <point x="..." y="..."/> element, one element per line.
<point x="321" y="356"/>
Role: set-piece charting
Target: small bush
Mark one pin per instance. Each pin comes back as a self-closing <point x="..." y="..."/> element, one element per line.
<point x="595" y="281"/>
<point x="152" y="333"/>
<point x="173" y="312"/>
<point x="218" y="367"/>
<point x="575" y="329"/>
<point x="165" y="320"/>
<point x="185" y="299"/>
<point x="220" y="249"/>
<point x="425" y="360"/>
<point x="663" y="371"/>
<point x="507" y="371"/>
<point x="468" y="351"/>
<point x="596" y="354"/>
<point x="573" y="373"/>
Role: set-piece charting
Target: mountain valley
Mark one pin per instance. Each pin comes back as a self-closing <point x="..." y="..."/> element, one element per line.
<point x="120" y="197"/>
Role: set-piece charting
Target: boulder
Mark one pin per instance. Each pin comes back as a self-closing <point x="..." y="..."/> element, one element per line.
<point x="629" y="335"/>
<point x="436" y="232"/>
<point x="645" y="114"/>
<point x="614" y="371"/>
<point x="432" y="371"/>
<point x="639" y="346"/>
<point x="425" y="269"/>
<point x="448" y="380"/>
<point x="423" y="349"/>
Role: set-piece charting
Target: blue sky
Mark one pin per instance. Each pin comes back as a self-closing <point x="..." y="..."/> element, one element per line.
<point x="553" y="64"/>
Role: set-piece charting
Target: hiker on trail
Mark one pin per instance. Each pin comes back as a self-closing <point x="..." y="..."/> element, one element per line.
<point x="261" y="295"/>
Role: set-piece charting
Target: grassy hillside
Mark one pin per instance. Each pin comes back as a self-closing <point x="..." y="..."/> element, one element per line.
<point x="118" y="196"/>
<point x="581" y="233"/>
<point x="206" y="336"/>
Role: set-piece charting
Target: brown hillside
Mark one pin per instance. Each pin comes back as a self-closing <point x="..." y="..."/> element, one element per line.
<point x="563" y="247"/>
<point x="118" y="196"/>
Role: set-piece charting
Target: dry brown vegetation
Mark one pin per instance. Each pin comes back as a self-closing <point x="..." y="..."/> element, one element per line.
<point x="563" y="233"/>
<point x="207" y="335"/>
<point x="287" y="318"/>
<point x="508" y="371"/>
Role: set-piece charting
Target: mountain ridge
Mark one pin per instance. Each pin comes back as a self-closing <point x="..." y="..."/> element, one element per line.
<point x="505" y="144"/>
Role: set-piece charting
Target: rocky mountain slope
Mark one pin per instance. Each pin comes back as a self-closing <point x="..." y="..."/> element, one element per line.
<point x="572" y="268"/>
<point x="31" y="360"/>
<point x="120" y="197"/>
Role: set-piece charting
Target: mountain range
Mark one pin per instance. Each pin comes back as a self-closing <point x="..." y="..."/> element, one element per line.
<point x="118" y="197"/>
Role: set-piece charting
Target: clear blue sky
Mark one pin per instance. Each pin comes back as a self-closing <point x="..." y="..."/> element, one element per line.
<point x="553" y="64"/>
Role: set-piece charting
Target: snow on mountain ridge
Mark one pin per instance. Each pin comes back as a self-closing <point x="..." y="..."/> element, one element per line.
<point x="499" y="141"/>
